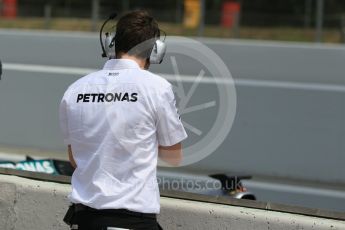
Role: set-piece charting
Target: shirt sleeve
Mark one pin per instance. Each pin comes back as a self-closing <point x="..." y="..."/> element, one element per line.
<point x="170" y="130"/>
<point x="64" y="121"/>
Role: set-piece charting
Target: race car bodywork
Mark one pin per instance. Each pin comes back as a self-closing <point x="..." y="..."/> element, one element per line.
<point x="212" y="185"/>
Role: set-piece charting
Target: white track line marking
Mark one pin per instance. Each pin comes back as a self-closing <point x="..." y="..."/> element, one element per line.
<point x="184" y="78"/>
<point x="47" y="69"/>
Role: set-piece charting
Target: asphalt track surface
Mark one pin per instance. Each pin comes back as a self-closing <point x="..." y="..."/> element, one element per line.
<point x="290" y="107"/>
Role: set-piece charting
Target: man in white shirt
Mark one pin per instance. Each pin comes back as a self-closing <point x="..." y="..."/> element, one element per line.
<point x="116" y="123"/>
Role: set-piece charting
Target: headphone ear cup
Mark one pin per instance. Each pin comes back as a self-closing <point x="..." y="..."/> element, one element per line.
<point x="109" y="46"/>
<point x="158" y="52"/>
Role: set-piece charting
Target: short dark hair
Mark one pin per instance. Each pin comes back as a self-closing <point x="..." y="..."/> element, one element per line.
<point x="133" y="29"/>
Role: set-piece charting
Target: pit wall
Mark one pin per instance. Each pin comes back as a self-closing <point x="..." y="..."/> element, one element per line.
<point x="31" y="204"/>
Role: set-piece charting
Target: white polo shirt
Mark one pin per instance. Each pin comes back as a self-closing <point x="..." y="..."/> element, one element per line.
<point x="114" y="119"/>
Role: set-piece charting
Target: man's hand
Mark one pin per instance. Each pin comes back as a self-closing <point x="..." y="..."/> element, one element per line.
<point x="171" y="154"/>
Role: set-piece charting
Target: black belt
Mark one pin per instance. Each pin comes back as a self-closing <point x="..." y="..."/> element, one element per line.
<point x="81" y="207"/>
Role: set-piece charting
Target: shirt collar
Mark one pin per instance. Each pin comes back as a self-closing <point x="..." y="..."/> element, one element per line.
<point x="120" y="64"/>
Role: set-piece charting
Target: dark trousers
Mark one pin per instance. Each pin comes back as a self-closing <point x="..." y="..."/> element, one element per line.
<point x="102" y="219"/>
